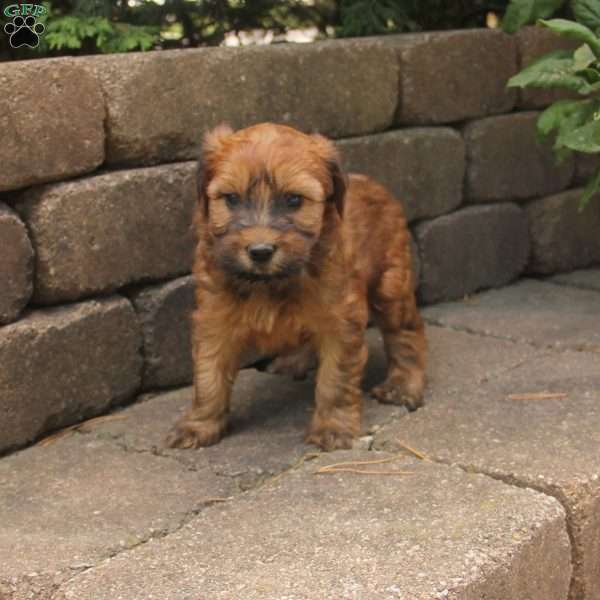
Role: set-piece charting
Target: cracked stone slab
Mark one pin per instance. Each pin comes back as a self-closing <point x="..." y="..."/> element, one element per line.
<point x="67" y="506"/>
<point x="551" y="445"/>
<point x="437" y="533"/>
<point x="269" y="415"/>
<point x="586" y="279"/>
<point x="121" y="471"/>
<point x="530" y="311"/>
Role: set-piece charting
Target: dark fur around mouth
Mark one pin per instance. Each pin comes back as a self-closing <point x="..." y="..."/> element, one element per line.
<point x="234" y="270"/>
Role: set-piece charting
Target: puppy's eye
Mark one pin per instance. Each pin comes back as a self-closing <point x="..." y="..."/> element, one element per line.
<point x="293" y="200"/>
<point x="232" y="200"/>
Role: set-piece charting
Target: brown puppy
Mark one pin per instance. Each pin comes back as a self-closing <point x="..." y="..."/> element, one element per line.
<point x="290" y="257"/>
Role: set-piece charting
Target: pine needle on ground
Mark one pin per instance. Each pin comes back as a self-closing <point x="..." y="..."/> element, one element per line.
<point x="351" y="467"/>
<point x="539" y="396"/>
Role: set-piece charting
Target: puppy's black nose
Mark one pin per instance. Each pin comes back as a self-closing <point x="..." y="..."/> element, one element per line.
<point x="261" y="253"/>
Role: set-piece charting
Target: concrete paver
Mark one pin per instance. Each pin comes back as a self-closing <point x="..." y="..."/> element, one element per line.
<point x="586" y="279"/>
<point x="530" y="311"/>
<point x="270" y="413"/>
<point x="145" y="489"/>
<point x="552" y="445"/>
<point x="67" y="506"/>
<point x="110" y="513"/>
<point x="438" y="533"/>
<point x="92" y="494"/>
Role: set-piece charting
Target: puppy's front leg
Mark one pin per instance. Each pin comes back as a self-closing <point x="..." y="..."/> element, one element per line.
<point x="336" y="420"/>
<point x="216" y="362"/>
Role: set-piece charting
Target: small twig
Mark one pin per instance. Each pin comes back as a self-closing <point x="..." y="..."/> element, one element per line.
<point x="215" y="500"/>
<point x="414" y="452"/>
<point x="539" y="396"/>
<point x="47" y="441"/>
<point x="364" y="462"/>
<point x="325" y="471"/>
<point x="350" y="467"/>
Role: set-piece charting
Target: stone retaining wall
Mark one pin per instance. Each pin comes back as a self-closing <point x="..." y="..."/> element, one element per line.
<point x="97" y="191"/>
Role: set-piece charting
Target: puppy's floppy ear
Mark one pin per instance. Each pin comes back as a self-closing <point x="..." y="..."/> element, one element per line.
<point x="211" y="145"/>
<point x="213" y="140"/>
<point x="202" y="179"/>
<point x="338" y="179"/>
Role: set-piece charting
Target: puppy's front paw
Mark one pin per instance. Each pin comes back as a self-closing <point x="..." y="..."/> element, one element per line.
<point x="195" y="434"/>
<point x="392" y="391"/>
<point x="329" y="438"/>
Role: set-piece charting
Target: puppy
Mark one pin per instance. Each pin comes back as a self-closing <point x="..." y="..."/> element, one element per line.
<point x="291" y="255"/>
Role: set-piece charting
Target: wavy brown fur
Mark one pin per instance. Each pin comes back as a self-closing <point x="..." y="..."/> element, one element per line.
<point x="345" y="249"/>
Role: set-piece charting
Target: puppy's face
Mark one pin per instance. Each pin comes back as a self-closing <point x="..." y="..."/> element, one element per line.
<point x="266" y="194"/>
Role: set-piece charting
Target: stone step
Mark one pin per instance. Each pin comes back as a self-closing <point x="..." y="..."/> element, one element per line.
<point x="347" y="535"/>
<point x="550" y="444"/>
<point x="511" y="485"/>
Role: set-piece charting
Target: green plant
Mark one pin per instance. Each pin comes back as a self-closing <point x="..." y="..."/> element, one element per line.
<point x="574" y="124"/>
<point x="376" y="17"/>
<point x="93" y="31"/>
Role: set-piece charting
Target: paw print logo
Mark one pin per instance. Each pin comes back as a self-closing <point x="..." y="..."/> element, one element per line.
<point x="24" y="32"/>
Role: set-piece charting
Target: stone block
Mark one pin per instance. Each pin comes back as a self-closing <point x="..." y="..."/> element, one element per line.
<point x="160" y="104"/>
<point x="473" y="248"/>
<point x="533" y="43"/>
<point x="98" y="234"/>
<point x="586" y="165"/>
<point x="505" y="161"/>
<point x="59" y="366"/>
<point x="563" y="237"/>
<point x="164" y="311"/>
<point x="585" y="279"/>
<point x="52" y="121"/>
<point x="16" y="265"/>
<point x="447" y="77"/>
<point x="423" y="167"/>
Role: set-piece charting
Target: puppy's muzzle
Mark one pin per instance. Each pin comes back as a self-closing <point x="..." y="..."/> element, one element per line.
<point x="261" y="253"/>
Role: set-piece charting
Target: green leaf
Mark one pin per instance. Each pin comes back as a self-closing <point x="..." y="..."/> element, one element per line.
<point x="592" y="75"/>
<point x="587" y="12"/>
<point x="583" y="139"/>
<point x="590" y="189"/>
<point x="524" y="12"/>
<point x="551" y="71"/>
<point x="571" y="29"/>
<point x="565" y="114"/>
<point x="563" y="117"/>
<point x="583" y="57"/>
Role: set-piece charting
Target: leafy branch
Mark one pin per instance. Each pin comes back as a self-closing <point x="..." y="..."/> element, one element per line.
<point x="574" y="125"/>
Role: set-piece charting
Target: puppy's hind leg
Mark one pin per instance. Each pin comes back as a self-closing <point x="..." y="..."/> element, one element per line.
<point x="396" y="314"/>
<point x="296" y="364"/>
